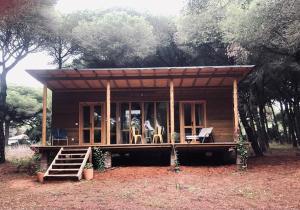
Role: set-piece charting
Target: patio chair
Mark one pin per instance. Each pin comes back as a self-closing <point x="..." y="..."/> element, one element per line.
<point x="59" y="135"/>
<point x="203" y="135"/>
<point x="135" y="135"/>
<point x="158" y="135"/>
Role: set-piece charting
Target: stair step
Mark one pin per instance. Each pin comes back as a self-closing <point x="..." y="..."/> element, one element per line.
<point x="73" y="154"/>
<point x="61" y="175"/>
<point x="67" y="164"/>
<point x="73" y="151"/>
<point x="70" y="149"/>
<point x="69" y="158"/>
<point x="64" y="169"/>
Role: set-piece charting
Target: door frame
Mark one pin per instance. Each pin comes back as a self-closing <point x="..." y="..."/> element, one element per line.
<point x="103" y="120"/>
<point x="181" y="117"/>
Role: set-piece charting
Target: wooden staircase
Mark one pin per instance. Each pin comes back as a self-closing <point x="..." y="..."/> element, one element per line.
<point x="68" y="163"/>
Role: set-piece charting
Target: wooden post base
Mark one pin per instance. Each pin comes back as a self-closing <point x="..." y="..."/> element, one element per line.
<point x="44" y="161"/>
<point x="172" y="158"/>
<point x="108" y="160"/>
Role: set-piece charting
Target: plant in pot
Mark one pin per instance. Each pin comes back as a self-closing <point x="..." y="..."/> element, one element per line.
<point x="88" y="171"/>
<point x="40" y="175"/>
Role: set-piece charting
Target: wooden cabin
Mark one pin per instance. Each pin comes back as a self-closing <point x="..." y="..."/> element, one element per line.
<point x="99" y="107"/>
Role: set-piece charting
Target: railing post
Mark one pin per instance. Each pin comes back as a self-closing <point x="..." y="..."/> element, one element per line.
<point x="172" y="110"/>
<point x="235" y="111"/>
<point x="108" y="112"/>
<point x="44" y="117"/>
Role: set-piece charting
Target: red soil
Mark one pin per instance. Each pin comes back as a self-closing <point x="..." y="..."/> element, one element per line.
<point x="271" y="182"/>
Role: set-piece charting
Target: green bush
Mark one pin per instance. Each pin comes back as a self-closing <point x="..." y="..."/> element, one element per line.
<point x="98" y="159"/>
<point x="29" y="165"/>
<point x="242" y="150"/>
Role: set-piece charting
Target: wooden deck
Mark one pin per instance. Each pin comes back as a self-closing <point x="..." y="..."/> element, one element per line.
<point x="140" y="147"/>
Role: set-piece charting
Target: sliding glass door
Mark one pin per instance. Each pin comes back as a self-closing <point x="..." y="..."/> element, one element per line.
<point x="91" y="116"/>
<point x="192" y="118"/>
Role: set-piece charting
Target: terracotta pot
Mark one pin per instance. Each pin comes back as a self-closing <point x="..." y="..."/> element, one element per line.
<point x="40" y="177"/>
<point x="88" y="174"/>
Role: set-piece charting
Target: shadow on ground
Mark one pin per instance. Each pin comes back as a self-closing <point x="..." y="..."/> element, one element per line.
<point x="162" y="158"/>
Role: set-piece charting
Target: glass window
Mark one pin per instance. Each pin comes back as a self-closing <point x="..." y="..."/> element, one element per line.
<point x="97" y="136"/>
<point x="113" y="124"/>
<point x="97" y="116"/>
<point x="86" y="136"/>
<point x="125" y="117"/>
<point x="149" y="121"/>
<point x="187" y="108"/>
<point x="136" y="117"/>
<point x="199" y="114"/>
<point x="176" y="123"/>
<point x="161" y="117"/>
<point x="86" y="116"/>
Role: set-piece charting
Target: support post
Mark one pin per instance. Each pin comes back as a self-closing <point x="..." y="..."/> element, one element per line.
<point x="172" y="110"/>
<point x="108" y="112"/>
<point x="235" y="111"/>
<point x="107" y="160"/>
<point x="44" y="117"/>
<point x="44" y="161"/>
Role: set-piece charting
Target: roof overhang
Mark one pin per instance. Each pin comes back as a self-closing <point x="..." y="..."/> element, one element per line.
<point x="158" y="77"/>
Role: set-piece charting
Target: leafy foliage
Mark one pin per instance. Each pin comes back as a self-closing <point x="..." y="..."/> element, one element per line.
<point x="116" y="37"/>
<point x="98" y="159"/>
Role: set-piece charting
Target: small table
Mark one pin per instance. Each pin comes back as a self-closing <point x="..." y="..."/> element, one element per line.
<point x="191" y="138"/>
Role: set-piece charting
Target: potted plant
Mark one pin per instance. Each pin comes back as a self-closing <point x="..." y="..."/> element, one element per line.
<point x="88" y="171"/>
<point x="40" y="175"/>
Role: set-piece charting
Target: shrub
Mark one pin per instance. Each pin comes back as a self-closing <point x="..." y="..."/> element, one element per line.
<point x="242" y="151"/>
<point x="98" y="159"/>
<point x="88" y="166"/>
<point x="29" y="165"/>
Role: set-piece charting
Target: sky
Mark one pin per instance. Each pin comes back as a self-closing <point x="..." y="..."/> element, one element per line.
<point x="41" y="60"/>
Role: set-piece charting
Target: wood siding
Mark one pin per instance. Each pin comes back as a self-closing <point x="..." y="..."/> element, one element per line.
<point x="219" y="107"/>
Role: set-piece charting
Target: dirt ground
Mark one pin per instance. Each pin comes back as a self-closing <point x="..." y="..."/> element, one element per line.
<point x="271" y="182"/>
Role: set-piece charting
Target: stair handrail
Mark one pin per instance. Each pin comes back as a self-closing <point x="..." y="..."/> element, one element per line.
<point x="86" y="157"/>
<point x="56" y="157"/>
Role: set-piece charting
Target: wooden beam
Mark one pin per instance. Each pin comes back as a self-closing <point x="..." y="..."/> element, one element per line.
<point x="44" y="119"/>
<point x="136" y="77"/>
<point x="195" y="79"/>
<point x="108" y="112"/>
<point x="181" y="80"/>
<point x="235" y="110"/>
<point x="172" y="110"/>
<point x="141" y="81"/>
<point x="212" y="76"/>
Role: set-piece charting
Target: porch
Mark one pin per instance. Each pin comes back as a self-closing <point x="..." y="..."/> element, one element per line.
<point x="163" y="105"/>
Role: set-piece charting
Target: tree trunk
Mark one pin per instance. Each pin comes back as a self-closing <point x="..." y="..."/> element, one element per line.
<point x="291" y="124"/>
<point x="3" y="88"/>
<point x="6" y="132"/>
<point x="283" y="122"/>
<point x="276" y="124"/>
<point x="262" y="121"/>
<point x="249" y="131"/>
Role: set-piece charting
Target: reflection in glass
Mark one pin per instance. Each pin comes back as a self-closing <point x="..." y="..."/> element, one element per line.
<point x="86" y="116"/>
<point x="136" y="117"/>
<point x="86" y="136"/>
<point x="161" y="115"/>
<point x="149" y="121"/>
<point x="199" y="114"/>
<point x="97" y="116"/>
<point x="113" y="124"/>
<point x="97" y="136"/>
<point x="125" y="117"/>
<point x="176" y="123"/>
<point x="188" y="131"/>
<point x="187" y="108"/>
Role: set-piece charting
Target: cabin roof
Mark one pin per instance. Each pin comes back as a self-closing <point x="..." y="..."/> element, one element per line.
<point x="157" y="77"/>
